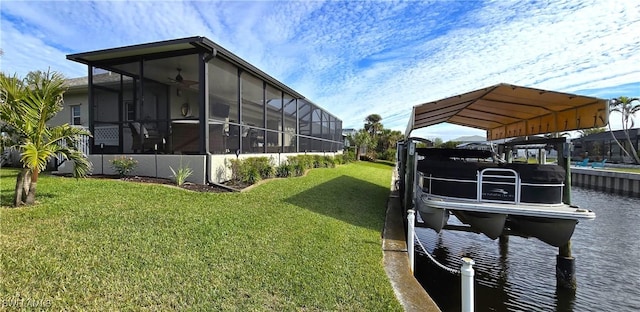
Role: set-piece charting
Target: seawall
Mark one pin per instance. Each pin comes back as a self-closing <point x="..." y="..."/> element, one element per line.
<point x="621" y="183"/>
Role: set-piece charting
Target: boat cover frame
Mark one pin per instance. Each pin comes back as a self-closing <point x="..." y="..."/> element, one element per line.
<point x="506" y="111"/>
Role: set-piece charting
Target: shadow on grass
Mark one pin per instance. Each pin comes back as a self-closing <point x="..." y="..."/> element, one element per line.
<point x="348" y="199"/>
<point x="9" y="176"/>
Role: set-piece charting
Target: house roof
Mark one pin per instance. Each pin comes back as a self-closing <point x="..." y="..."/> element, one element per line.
<point x="83" y="82"/>
<point x="606" y="135"/>
<point x="175" y="47"/>
<point x="168" y="47"/>
<point x="505" y="111"/>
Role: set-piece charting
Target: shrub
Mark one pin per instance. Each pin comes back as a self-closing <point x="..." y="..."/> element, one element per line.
<point x="305" y="161"/>
<point x="235" y="166"/>
<point x="262" y="165"/>
<point x="251" y="176"/>
<point x="251" y="170"/>
<point x="328" y="162"/>
<point x="123" y="165"/>
<point x="182" y="174"/>
<point x="338" y="159"/>
<point x="366" y="157"/>
<point x="285" y="170"/>
<point x="318" y="162"/>
<point x="298" y="170"/>
<point x="348" y="156"/>
<point x="389" y="154"/>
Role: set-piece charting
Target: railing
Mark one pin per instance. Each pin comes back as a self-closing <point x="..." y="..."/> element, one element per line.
<point x="82" y="145"/>
<point x="504" y="180"/>
<point x="512" y="179"/>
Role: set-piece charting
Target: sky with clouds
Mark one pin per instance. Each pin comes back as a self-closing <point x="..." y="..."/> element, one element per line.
<point x="358" y="58"/>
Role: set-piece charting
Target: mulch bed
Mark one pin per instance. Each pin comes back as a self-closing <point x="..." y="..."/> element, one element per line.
<point x="153" y="180"/>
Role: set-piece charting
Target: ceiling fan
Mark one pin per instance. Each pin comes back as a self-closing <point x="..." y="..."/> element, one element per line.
<point x="180" y="81"/>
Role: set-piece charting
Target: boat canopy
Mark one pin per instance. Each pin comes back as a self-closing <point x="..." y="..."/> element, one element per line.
<point x="506" y="111"/>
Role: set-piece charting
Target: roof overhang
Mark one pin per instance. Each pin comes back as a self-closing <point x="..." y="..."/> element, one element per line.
<point x="162" y="49"/>
<point x="506" y="111"/>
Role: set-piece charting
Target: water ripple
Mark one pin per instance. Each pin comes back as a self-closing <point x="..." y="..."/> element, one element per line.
<point x="519" y="275"/>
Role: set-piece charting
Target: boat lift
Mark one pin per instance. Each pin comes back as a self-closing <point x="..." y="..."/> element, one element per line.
<point x="507" y="111"/>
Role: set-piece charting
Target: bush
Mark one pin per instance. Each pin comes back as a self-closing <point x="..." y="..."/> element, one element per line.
<point x="251" y="176"/>
<point x="182" y="174"/>
<point x="366" y="157"/>
<point x="251" y="170"/>
<point x="328" y="162"/>
<point x="285" y="170"/>
<point x="262" y="165"/>
<point x="389" y="154"/>
<point x="348" y="156"/>
<point x="298" y="170"/>
<point x="123" y="165"/>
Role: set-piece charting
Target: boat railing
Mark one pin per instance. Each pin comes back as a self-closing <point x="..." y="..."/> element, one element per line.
<point x="498" y="185"/>
<point x="505" y="183"/>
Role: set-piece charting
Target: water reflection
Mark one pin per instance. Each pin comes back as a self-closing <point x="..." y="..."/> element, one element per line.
<point x="518" y="274"/>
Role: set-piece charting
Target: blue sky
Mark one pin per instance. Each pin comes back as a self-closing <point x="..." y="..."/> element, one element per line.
<point x="358" y="58"/>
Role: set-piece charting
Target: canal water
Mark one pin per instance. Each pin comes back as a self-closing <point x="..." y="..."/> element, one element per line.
<point x="519" y="274"/>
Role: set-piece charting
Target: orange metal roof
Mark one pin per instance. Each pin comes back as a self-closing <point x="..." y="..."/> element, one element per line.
<point x="506" y="111"/>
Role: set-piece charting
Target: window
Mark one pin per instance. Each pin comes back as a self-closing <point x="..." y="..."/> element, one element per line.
<point x="130" y="108"/>
<point x="75" y="115"/>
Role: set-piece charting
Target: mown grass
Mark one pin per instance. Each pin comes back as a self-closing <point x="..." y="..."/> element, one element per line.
<point x="309" y="243"/>
<point x="627" y="170"/>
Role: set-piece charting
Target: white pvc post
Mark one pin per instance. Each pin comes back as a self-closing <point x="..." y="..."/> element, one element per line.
<point x="411" y="217"/>
<point x="467" y="284"/>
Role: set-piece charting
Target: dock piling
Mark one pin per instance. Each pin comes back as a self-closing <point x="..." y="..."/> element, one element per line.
<point x="565" y="263"/>
<point x="411" y="217"/>
<point x="467" y="274"/>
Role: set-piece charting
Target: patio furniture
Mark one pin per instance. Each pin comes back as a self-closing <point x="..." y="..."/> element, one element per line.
<point x="143" y="139"/>
<point x="583" y="163"/>
<point x="598" y="164"/>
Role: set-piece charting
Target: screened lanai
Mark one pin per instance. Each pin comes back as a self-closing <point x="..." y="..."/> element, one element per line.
<point x="191" y="96"/>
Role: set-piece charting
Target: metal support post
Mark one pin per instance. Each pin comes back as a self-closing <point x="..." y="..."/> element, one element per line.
<point x="467" y="274"/>
<point x="411" y="217"/>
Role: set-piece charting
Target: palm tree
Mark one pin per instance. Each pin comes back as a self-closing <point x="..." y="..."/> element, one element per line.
<point x="372" y="124"/>
<point x="362" y="139"/>
<point x="627" y="107"/>
<point x="26" y="105"/>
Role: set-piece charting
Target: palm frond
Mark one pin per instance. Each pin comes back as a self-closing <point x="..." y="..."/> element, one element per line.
<point x="81" y="165"/>
<point x="35" y="157"/>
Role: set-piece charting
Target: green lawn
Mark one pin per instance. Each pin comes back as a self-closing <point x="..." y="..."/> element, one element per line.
<point x="627" y="170"/>
<point x="310" y="243"/>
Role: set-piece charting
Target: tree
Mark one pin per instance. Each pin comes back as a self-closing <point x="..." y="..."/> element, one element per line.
<point x="437" y="142"/>
<point x="627" y="107"/>
<point x="450" y="144"/>
<point x="362" y="139"/>
<point x="26" y="105"/>
<point x="386" y="143"/>
<point x="372" y="124"/>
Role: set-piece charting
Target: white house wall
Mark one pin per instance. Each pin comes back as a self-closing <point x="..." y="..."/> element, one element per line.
<point x="72" y="99"/>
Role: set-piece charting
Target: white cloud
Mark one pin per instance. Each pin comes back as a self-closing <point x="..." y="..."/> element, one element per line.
<point x="356" y="58"/>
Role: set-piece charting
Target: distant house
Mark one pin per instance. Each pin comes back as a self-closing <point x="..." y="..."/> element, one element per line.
<point x="190" y="101"/>
<point x="601" y="145"/>
<point x="346" y="133"/>
<point x="470" y="139"/>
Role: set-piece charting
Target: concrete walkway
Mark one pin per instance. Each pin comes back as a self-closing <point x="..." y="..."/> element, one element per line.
<point x="396" y="261"/>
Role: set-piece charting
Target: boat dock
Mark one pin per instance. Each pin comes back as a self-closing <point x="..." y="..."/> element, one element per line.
<point x="408" y="290"/>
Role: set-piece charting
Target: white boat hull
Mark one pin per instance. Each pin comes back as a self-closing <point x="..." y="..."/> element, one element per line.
<point x="433" y="218"/>
<point x="555" y="232"/>
<point x="490" y="224"/>
<point x="553" y="224"/>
